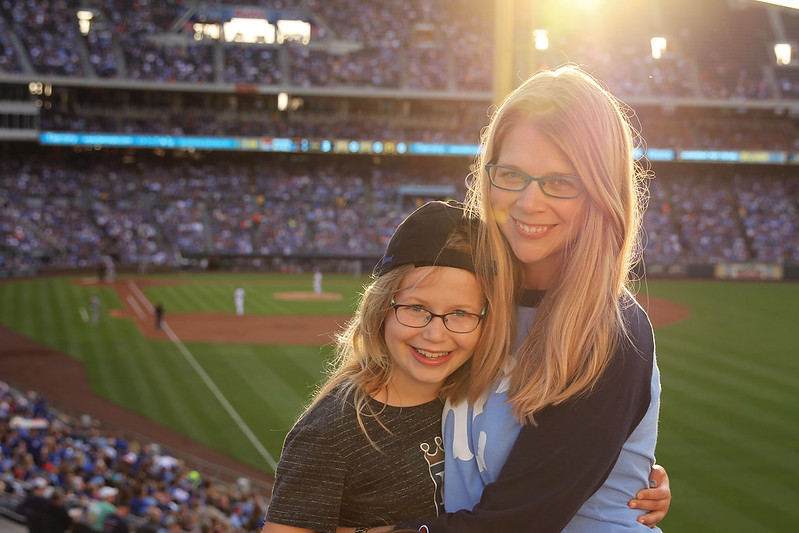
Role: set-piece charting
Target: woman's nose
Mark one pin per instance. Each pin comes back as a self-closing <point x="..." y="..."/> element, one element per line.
<point x="532" y="197"/>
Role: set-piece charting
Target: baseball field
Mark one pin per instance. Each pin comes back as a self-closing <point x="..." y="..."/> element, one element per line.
<point x="227" y="389"/>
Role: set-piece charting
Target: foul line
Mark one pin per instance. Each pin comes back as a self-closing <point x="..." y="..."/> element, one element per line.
<point x="135" y="306"/>
<point x="210" y="383"/>
<point x="140" y="296"/>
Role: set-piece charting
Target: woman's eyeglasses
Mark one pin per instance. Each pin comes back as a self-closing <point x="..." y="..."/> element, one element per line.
<point x="556" y="185"/>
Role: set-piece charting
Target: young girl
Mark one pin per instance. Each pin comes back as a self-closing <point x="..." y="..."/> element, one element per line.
<point x="368" y="450"/>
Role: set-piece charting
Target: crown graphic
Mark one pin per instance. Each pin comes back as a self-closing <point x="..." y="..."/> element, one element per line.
<point x="433" y="456"/>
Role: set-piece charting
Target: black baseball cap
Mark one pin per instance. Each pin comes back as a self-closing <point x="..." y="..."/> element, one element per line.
<point x="421" y="238"/>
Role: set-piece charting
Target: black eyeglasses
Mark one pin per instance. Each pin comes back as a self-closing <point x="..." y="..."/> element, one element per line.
<point x="555" y="185"/>
<point x="416" y="316"/>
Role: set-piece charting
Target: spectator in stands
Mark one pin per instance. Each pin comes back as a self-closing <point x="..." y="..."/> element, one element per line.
<point x="57" y="519"/>
<point x="172" y="524"/>
<point x="44" y="509"/>
<point x="102" y="507"/>
<point x="115" y="522"/>
<point x="153" y="523"/>
<point x="34" y="506"/>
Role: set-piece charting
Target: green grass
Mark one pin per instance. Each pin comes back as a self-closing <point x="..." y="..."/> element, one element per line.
<point x="266" y="385"/>
<point x="729" y="436"/>
<point x="214" y="293"/>
<point x="728" y="429"/>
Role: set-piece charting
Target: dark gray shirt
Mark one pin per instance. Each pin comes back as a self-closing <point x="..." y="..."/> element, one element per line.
<point x="329" y="473"/>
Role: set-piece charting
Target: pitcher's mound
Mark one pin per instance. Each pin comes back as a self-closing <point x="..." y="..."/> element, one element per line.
<point x="306" y="296"/>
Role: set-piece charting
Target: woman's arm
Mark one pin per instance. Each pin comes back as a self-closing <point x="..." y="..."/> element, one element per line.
<point x="656" y="500"/>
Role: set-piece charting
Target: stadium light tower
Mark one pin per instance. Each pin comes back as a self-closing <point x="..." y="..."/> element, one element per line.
<point x="522" y="32"/>
<point x="503" y="50"/>
<point x="516" y="40"/>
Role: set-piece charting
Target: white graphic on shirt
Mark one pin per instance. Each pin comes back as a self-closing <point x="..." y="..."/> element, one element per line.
<point x="460" y="442"/>
<point x="481" y="451"/>
<point x="435" y="462"/>
<point x="462" y="445"/>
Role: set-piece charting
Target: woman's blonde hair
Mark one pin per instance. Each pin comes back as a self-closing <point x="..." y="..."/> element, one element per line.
<point x="579" y="322"/>
<point x="363" y="364"/>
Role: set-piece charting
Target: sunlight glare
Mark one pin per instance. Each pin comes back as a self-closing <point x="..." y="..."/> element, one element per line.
<point x="793" y="4"/>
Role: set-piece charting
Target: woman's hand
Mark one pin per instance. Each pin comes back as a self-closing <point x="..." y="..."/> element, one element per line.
<point x="655" y="500"/>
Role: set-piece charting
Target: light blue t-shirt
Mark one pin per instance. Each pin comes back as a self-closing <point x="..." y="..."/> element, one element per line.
<point x="478" y="439"/>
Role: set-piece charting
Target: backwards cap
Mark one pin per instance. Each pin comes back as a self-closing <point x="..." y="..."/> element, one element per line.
<point x="421" y="239"/>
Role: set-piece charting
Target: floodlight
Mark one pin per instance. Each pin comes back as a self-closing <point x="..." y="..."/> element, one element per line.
<point x="297" y="31"/>
<point x="282" y="101"/>
<point x="782" y="51"/>
<point x="210" y="30"/>
<point x="658" y="45"/>
<point x="247" y="30"/>
<point x="541" y="39"/>
<point x="85" y="21"/>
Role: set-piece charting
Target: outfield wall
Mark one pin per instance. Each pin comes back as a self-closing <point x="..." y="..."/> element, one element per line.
<point x="363" y="265"/>
<point x="728" y="271"/>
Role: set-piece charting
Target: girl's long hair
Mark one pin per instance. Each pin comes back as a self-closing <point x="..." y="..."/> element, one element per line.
<point x="578" y="323"/>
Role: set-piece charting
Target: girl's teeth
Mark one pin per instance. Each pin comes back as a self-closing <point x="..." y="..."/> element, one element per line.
<point x="431" y="355"/>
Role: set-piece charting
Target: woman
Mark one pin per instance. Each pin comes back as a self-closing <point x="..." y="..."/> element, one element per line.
<point x="565" y="435"/>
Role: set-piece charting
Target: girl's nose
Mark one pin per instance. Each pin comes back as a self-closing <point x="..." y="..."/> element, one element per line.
<point x="435" y="329"/>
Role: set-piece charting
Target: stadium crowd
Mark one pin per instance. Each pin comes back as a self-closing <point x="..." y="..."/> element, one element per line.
<point x="76" y="463"/>
<point x="153" y="210"/>
<point x="157" y="208"/>
<point x="415" y="45"/>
